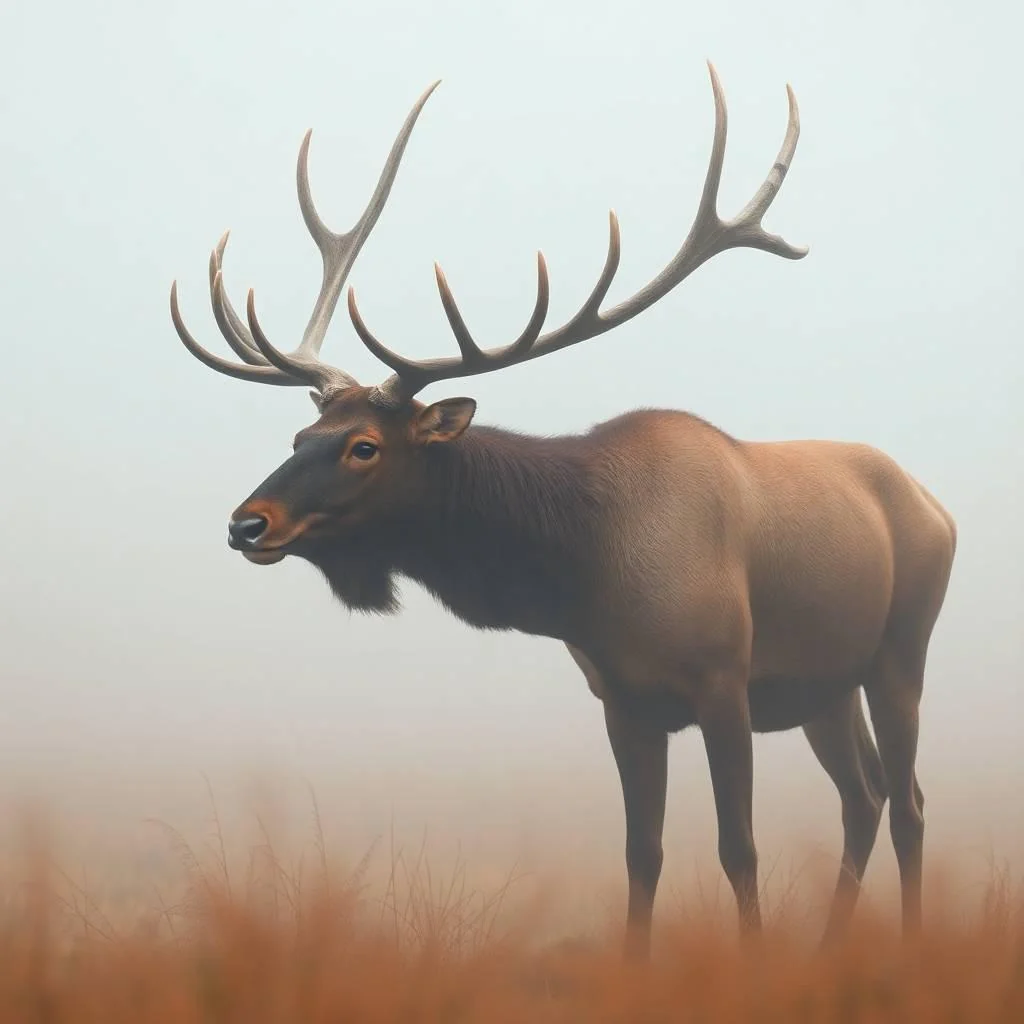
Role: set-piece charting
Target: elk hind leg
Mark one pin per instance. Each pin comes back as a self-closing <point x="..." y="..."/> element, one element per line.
<point x="843" y="745"/>
<point x="894" y="694"/>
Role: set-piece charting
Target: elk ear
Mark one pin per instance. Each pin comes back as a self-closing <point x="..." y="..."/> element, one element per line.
<point x="318" y="401"/>
<point x="443" y="421"/>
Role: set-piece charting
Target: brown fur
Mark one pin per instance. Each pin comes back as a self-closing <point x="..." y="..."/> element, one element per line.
<point x="695" y="578"/>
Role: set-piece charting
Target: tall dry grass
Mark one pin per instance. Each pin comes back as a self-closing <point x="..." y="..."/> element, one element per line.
<point x="301" y="942"/>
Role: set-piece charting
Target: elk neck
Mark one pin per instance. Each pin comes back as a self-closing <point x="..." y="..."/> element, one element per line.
<point x="508" y="529"/>
<point x="503" y="531"/>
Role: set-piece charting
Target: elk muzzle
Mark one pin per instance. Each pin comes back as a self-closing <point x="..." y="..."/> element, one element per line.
<point x="243" y="533"/>
<point x="257" y="532"/>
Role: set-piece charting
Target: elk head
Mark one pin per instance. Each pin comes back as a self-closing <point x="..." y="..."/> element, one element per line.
<point x="361" y="467"/>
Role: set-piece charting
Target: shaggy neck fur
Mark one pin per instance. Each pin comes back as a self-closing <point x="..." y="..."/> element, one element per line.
<point x="502" y="533"/>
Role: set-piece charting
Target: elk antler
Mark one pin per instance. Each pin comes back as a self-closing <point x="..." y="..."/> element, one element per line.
<point x="708" y="236"/>
<point x="261" y="361"/>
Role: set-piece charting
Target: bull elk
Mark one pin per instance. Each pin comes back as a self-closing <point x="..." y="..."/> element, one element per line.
<point x="696" y="579"/>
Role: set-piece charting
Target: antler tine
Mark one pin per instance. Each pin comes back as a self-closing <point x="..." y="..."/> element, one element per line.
<point x="242" y="371"/>
<point x="708" y="236"/>
<point x="231" y="326"/>
<point x="472" y="354"/>
<point x="261" y="360"/>
<point x="531" y="331"/>
<point x="339" y="251"/>
<point x="326" y="379"/>
<point x="590" y="309"/>
<point x="255" y="366"/>
<point x="411" y="375"/>
<point x="752" y="213"/>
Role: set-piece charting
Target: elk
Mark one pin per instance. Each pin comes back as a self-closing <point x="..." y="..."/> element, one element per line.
<point x="695" y="578"/>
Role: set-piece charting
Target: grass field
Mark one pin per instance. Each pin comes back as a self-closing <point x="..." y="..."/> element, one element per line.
<point x="306" y="941"/>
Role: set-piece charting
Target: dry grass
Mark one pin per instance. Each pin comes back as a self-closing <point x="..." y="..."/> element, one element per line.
<point x="294" y="943"/>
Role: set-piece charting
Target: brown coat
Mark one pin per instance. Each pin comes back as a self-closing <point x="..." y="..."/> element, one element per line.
<point x="695" y="578"/>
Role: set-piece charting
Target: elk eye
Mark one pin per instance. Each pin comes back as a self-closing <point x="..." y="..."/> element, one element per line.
<point x="364" y="450"/>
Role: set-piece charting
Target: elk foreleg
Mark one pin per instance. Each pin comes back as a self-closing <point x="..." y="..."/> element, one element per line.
<point x="723" y="714"/>
<point x="641" y="756"/>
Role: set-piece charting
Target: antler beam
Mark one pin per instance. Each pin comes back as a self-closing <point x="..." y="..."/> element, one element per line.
<point x="263" y="362"/>
<point x="708" y="236"/>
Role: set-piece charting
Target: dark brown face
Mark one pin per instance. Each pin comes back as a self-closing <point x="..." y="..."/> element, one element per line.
<point x="357" y="465"/>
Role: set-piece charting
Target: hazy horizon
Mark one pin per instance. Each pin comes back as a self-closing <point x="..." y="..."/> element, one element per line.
<point x="138" y="651"/>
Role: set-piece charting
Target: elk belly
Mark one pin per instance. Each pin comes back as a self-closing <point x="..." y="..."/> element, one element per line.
<point x="778" y="703"/>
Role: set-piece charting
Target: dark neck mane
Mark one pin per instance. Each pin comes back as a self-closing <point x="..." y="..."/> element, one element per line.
<point x="531" y="489"/>
<point x="502" y="535"/>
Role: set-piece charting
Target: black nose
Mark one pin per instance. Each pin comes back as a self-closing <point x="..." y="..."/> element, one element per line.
<point x="243" y="533"/>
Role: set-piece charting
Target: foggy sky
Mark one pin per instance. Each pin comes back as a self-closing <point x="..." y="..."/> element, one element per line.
<point x="133" y="135"/>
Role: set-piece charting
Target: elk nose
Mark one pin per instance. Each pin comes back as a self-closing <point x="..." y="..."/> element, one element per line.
<point x="243" y="533"/>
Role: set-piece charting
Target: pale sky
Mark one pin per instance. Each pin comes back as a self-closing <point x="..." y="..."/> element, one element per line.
<point x="133" y="135"/>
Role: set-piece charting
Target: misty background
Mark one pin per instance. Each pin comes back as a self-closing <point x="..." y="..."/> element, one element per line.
<point x="137" y="651"/>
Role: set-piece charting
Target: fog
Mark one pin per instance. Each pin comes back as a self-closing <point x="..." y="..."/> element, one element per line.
<point x="138" y="651"/>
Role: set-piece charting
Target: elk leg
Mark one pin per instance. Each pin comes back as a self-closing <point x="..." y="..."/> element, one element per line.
<point x="894" y="696"/>
<point x="723" y="714"/>
<point x="641" y="756"/>
<point x="841" y="742"/>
